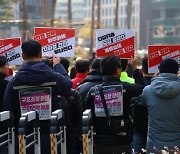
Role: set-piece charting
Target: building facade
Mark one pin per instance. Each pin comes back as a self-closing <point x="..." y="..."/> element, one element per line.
<point x="35" y="9"/>
<point x="108" y="8"/>
<point x="165" y="23"/>
<point x="61" y="12"/>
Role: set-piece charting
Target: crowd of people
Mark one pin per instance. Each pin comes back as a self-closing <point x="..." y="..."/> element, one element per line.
<point x="107" y="88"/>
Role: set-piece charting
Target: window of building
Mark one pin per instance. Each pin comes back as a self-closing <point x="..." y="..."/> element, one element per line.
<point x="121" y="9"/>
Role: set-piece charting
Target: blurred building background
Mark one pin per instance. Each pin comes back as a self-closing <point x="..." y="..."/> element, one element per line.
<point x="154" y="21"/>
<point x="165" y="23"/>
<point x="61" y="12"/>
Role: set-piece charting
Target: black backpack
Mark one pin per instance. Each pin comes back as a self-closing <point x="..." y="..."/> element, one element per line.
<point x="68" y="103"/>
<point x="120" y="126"/>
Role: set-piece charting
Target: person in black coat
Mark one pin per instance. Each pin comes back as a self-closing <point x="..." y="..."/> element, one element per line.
<point x="106" y="141"/>
<point x="4" y="72"/>
<point x="140" y="116"/>
<point x="33" y="73"/>
<point x="94" y="77"/>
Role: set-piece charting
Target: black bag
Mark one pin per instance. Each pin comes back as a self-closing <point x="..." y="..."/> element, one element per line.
<point x="120" y="126"/>
<point x="139" y="115"/>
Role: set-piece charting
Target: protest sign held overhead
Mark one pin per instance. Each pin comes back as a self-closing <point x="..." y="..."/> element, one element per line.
<point x="55" y="41"/>
<point x="115" y="42"/>
<point x="157" y="53"/>
<point x="11" y="49"/>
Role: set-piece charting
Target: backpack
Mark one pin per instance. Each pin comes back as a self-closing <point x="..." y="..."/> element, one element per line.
<point x="69" y="104"/>
<point x="139" y="114"/>
<point x="118" y="126"/>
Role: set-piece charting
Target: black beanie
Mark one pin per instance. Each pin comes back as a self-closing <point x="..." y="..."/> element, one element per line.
<point x="169" y="65"/>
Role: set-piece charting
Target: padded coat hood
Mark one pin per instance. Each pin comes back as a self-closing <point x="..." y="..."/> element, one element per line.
<point x="166" y="85"/>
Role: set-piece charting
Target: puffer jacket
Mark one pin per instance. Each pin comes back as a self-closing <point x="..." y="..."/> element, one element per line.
<point x="34" y="74"/>
<point x="3" y="84"/>
<point x="103" y="135"/>
<point x="162" y="98"/>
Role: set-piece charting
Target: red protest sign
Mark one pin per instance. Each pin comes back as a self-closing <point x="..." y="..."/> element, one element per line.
<point x="158" y="53"/>
<point x="11" y="49"/>
<point x="56" y="41"/>
<point x="115" y="42"/>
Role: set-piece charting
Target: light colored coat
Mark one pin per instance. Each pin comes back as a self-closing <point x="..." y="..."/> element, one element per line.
<point x="162" y="98"/>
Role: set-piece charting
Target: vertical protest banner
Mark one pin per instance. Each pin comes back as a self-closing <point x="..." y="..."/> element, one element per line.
<point x="36" y="99"/>
<point x="117" y="42"/>
<point x="157" y="53"/>
<point x="11" y="49"/>
<point x="56" y="41"/>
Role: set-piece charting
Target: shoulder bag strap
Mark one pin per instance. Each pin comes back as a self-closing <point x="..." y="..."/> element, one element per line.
<point x="104" y="104"/>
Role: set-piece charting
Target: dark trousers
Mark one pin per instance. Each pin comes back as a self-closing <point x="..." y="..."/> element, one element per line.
<point x="115" y="149"/>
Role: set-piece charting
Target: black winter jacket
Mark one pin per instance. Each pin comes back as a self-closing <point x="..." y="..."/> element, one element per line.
<point x="140" y="113"/>
<point x="94" y="78"/>
<point x="3" y="85"/>
<point x="103" y="135"/>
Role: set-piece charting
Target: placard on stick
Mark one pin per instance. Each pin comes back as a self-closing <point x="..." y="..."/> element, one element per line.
<point x="117" y="42"/>
<point x="157" y="53"/>
<point x="56" y="41"/>
<point x="11" y="49"/>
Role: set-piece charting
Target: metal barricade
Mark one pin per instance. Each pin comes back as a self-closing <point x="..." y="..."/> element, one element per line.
<point x="87" y="129"/>
<point x="6" y="116"/>
<point x="26" y="118"/>
<point x="58" y="132"/>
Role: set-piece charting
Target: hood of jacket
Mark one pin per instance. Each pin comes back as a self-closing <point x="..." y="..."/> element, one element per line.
<point x="166" y="85"/>
<point x="34" y="73"/>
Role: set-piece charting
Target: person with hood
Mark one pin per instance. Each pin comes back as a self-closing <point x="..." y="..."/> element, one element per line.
<point x="162" y="98"/>
<point x="94" y="77"/>
<point x="33" y="73"/>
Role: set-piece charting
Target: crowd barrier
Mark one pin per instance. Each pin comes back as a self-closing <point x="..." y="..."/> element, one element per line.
<point x="58" y="132"/>
<point x="87" y="130"/>
<point x="26" y="118"/>
<point x="27" y="140"/>
<point x="6" y="116"/>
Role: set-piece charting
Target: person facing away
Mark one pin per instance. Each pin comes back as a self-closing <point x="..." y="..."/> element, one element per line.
<point x="4" y="72"/>
<point x="106" y="141"/>
<point x="33" y="73"/>
<point x="141" y="115"/>
<point x="92" y="57"/>
<point x="82" y="69"/>
<point x="94" y="77"/>
<point x="74" y="128"/>
<point x="71" y="104"/>
<point x="124" y="76"/>
<point x="162" y="97"/>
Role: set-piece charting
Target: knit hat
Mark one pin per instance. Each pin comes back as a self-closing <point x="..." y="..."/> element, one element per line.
<point x="169" y="65"/>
